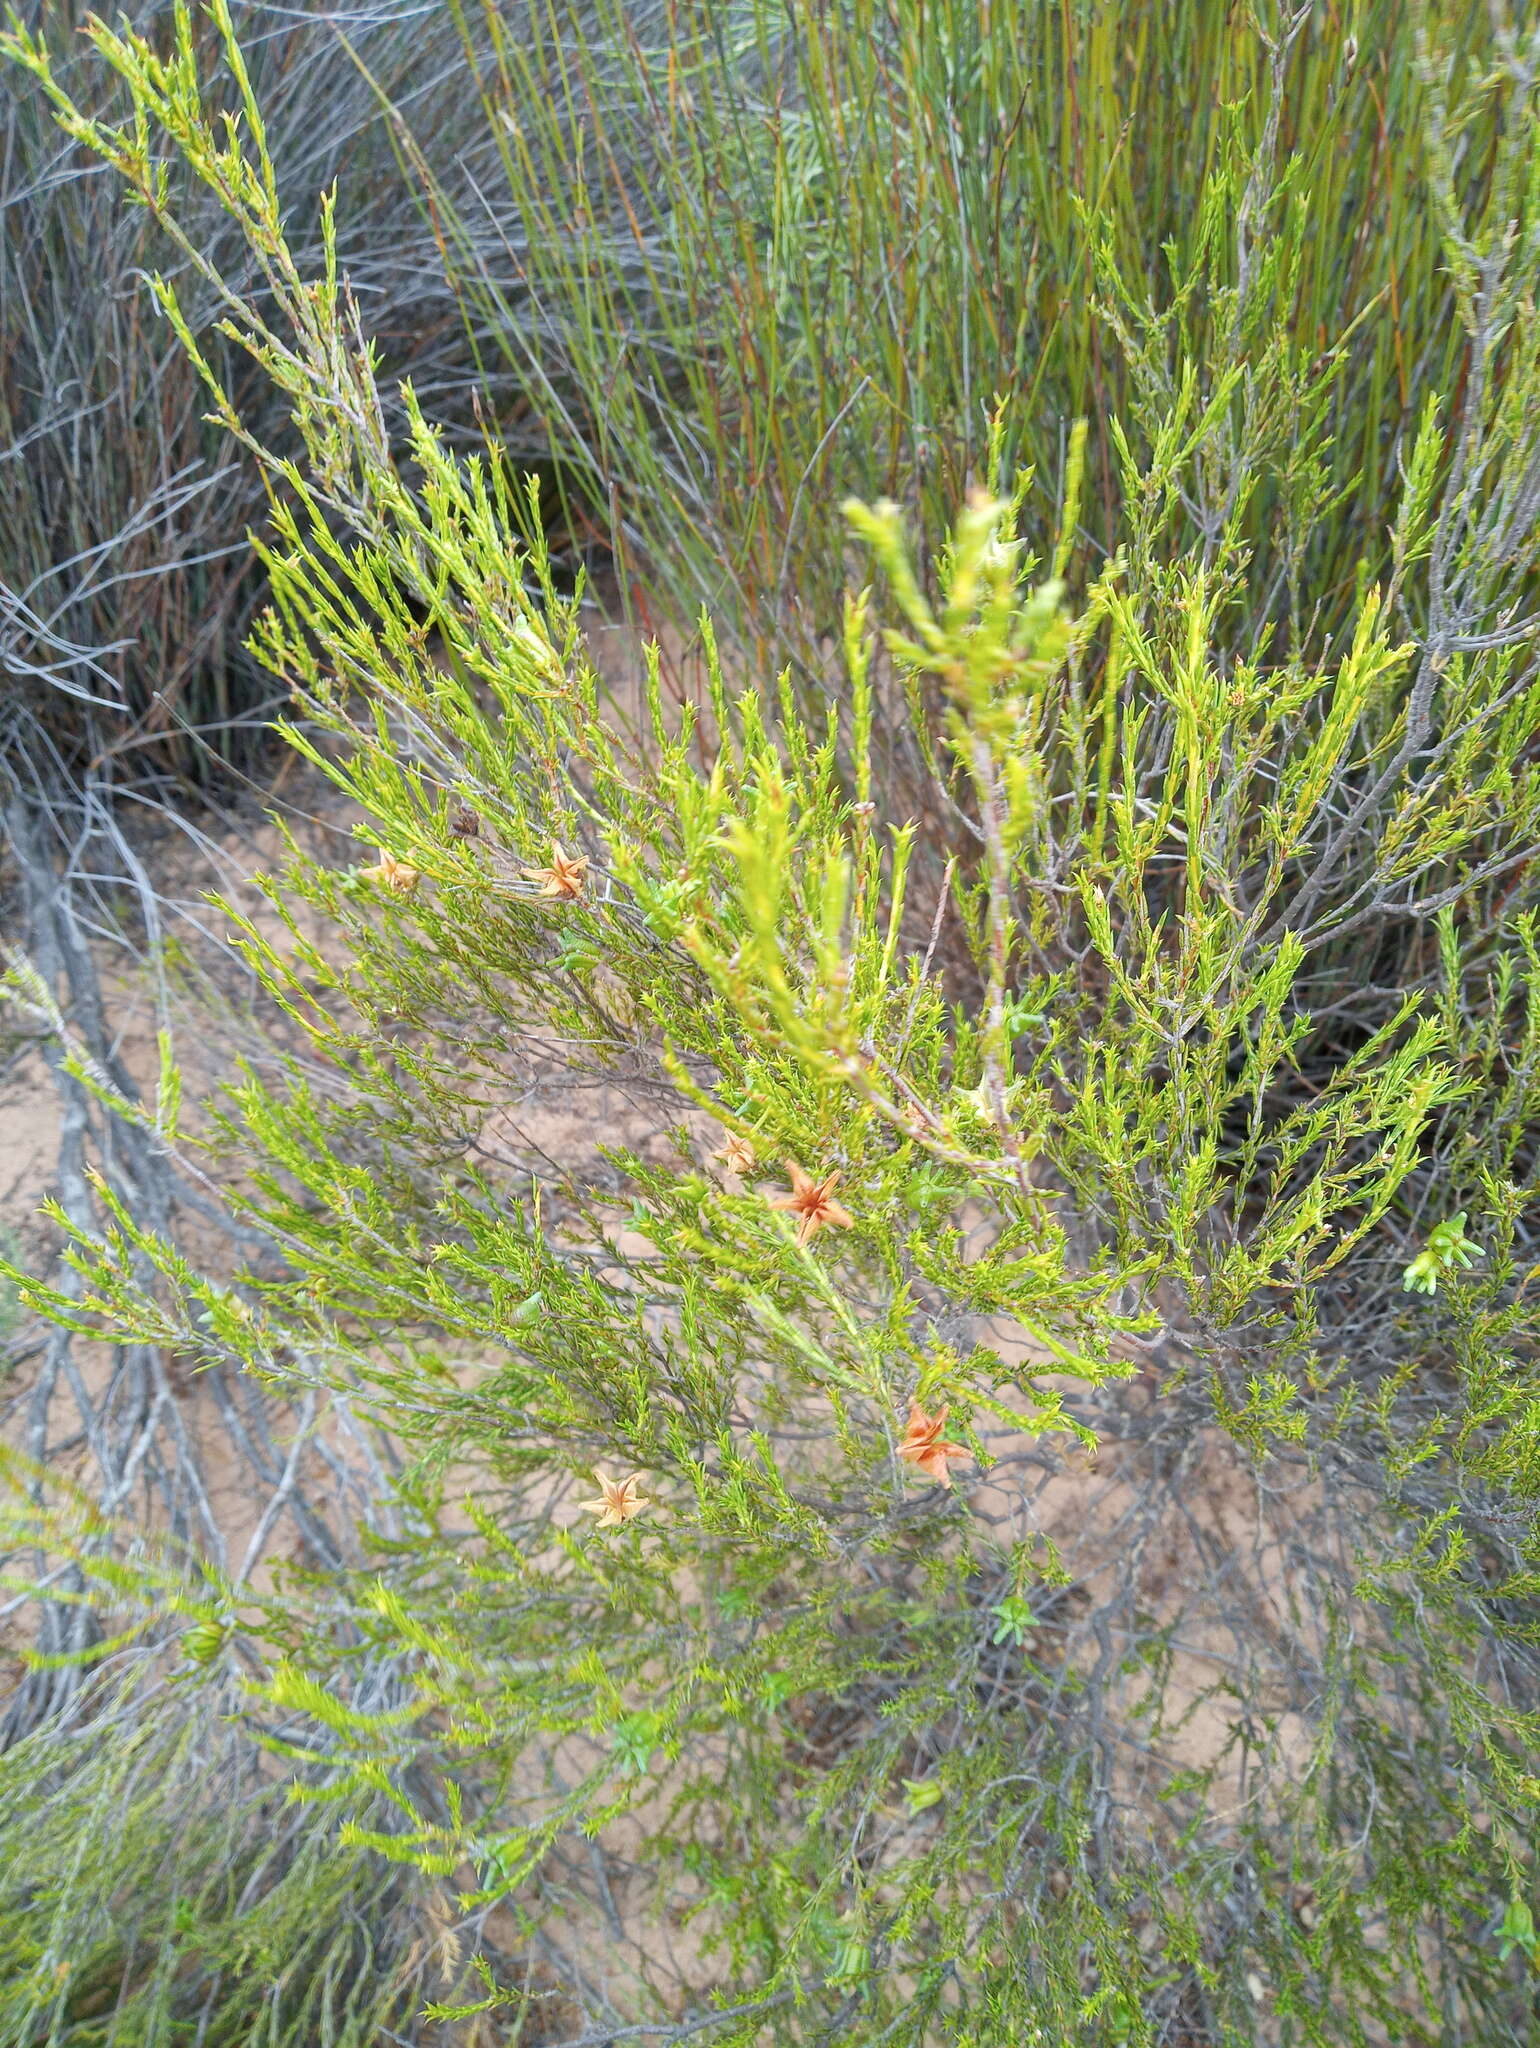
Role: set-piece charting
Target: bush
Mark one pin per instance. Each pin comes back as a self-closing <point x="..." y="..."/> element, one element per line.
<point x="126" y="580"/>
<point x="779" y="253"/>
<point x="1232" y="1743"/>
<point x="158" y="1884"/>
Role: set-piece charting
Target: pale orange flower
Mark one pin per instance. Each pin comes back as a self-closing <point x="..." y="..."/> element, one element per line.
<point x="812" y="1202"/>
<point x="564" y="877"/>
<point x="924" y="1447"/>
<point x="737" y="1154"/>
<point x="391" y="873"/>
<point x="619" y="1499"/>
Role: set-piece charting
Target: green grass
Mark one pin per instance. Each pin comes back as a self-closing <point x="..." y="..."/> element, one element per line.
<point x="767" y="255"/>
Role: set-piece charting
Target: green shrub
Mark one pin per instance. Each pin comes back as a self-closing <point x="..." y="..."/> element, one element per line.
<point x="126" y="581"/>
<point x="918" y="1761"/>
<point x="158" y="1886"/>
<point x="773" y="254"/>
<point x="1279" y="259"/>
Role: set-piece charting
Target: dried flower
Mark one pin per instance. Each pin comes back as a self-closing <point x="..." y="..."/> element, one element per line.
<point x="619" y="1499"/>
<point x="736" y="1154"/>
<point x="924" y="1447"/>
<point x="391" y="873"/>
<point x="812" y="1202"/>
<point x="564" y="877"/>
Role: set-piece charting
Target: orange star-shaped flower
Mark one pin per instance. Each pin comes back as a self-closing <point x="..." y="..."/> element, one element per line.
<point x="812" y="1202"/>
<point x="619" y="1499"/>
<point x="737" y="1154"/>
<point x="925" y="1448"/>
<point x="391" y="873"/>
<point x="564" y="877"/>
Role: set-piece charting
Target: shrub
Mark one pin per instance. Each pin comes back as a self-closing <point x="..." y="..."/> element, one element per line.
<point x="126" y="581"/>
<point x="158" y="1885"/>
<point x="918" y="1760"/>
<point x="778" y="255"/>
<point x="782" y="253"/>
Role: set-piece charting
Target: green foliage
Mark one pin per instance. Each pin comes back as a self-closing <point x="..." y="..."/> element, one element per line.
<point x="1142" y="1058"/>
<point x="772" y="254"/>
<point x="1447" y="1248"/>
<point x="10" y="1302"/>
<point x="126" y="581"/>
<point x="157" y="1884"/>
